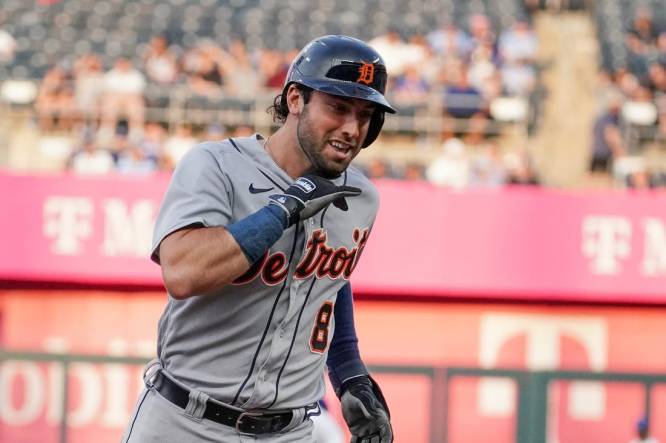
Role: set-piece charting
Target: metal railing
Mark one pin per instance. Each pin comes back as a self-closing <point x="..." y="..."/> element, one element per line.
<point x="532" y="406"/>
<point x="66" y="360"/>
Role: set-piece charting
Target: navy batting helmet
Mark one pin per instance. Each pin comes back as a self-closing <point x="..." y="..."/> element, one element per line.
<point x="346" y="67"/>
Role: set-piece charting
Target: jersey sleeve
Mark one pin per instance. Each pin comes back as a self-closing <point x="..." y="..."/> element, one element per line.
<point x="199" y="194"/>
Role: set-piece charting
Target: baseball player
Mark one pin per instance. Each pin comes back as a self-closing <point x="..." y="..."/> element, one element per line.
<point x="257" y="239"/>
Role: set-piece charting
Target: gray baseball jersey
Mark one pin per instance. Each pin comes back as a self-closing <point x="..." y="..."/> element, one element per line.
<point x="262" y="341"/>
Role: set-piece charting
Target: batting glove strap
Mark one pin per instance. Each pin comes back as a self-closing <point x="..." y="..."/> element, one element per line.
<point x="342" y="374"/>
<point x="366" y="414"/>
<point x="310" y="194"/>
<point x="292" y="206"/>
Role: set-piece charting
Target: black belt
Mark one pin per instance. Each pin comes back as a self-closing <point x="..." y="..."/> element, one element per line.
<point x="245" y="422"/>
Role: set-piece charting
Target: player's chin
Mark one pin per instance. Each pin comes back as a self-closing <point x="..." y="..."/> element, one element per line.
<point x="339" y="160"/>
<point x="332" y="169"/>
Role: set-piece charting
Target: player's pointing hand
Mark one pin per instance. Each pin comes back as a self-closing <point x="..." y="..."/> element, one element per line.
<point x="310" y="194"/>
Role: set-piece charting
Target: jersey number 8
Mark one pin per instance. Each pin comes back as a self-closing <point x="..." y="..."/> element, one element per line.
<point x="319" y="337"/>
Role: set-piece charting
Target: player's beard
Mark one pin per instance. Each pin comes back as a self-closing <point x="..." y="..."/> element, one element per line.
<point x="312" y="146"/>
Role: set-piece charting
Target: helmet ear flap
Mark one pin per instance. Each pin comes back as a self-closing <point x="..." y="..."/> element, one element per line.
<point x="374" y="128"/>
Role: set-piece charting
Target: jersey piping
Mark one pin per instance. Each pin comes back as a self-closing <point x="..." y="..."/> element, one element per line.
<point x="268" y="323"/>
<point x="293" y="337"/>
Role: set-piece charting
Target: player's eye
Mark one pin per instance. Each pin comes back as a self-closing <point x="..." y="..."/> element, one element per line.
<point x="338" y="107"/>
<point x="365" y="116"/>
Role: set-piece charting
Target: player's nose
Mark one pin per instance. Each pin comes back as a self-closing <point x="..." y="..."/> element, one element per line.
<point x="352" y="127"/>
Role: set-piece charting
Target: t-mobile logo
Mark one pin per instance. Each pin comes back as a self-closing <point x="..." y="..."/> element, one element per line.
<point x="543" y="334"/>
<point x="67" y="220"/>
<point x="606" y="240"/>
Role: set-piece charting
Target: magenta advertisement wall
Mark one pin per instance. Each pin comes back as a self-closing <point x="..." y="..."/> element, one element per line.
<point x="515" y="243"/>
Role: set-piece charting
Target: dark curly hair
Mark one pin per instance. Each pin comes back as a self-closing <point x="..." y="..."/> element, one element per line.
<point x="279" y="109"/>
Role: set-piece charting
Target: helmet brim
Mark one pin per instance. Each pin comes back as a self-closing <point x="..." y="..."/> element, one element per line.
<point x="346" y="89"/>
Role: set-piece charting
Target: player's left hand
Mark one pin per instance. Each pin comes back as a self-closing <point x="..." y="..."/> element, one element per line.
<point x="366" y="412"/>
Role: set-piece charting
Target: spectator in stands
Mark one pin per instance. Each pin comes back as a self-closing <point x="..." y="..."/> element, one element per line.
<point x="159" y="62"/>
<point x="413" y="172"/>
<point x="451" y="168"/>
<point x="152" y="140"/>
<point x="661" y="48"/>
<point x="518" y="44"/>
<point x="520" y="169"/>
<point x="630" y="171"/>
<point x="135" y="161"/>
<point x="487" y="167"/>
<point x="607" y="142"/>
<point x="661" y="119"/>
<point x="643" y="26"/>
<point x="657" y="78"/>
<point x="640" y="180"/>
<point x="483" y="70"/>
<point x="205" y="73"/>
<point x="124" y="87"/>
<point x="378" y="168"/>
<point x="242" y="131"/>
<point x="638" y="53"/>
<point x="481" y="30"/>
<point x="477" y="127"/>
<point x="214" y="132"/>
<point x="416" y="52"/>
<point x="450" y="42"/>
<point x="643" y="432"/>
<point x="274" y="67"/>
<point x="411" y="89"/>
<point x="242" y="79"/>
<point x="625" y="81"/>
<point x="393" y="49"/>
<point x="518" y="78"/>
<point x="7" y="47"/>
<point x="659" y="178"/>
<point x="55" y="100"/>
<point x="118" y="143"/>
<point x="177" y="145"/>
<point x="270" y="65"/>
<point x="89" y="159"/>
<point x="462" y="100"/>
<point x="88" y="88"/>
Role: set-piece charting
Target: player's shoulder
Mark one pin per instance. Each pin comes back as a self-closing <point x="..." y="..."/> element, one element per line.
<point x="217" y="152"/>
<point x="222" y="148"/>
<point x="356" y="178"/>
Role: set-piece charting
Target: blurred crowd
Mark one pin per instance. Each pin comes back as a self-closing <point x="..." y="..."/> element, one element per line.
<point x="462" y="166"/>
<point x="156" y="150"/>
<point x="460" y="71"/>
<point x="463" y="70"/>
<point x="458" y="165"/>
<point x="631" y="124"/>
<point x="466" y="70"/>
<point x="88" y="96"/>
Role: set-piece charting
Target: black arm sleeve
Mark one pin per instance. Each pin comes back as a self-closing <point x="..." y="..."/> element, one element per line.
<point x="344" y="360"/>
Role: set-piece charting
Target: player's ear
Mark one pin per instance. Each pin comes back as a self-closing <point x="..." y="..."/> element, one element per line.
<point x="295" y="100"/>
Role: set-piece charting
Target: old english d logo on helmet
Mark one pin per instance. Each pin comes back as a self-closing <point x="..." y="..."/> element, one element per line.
<point x="366" y="73"/>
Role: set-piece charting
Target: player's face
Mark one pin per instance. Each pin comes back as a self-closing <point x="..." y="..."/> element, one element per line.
<point x="331" y="131"/>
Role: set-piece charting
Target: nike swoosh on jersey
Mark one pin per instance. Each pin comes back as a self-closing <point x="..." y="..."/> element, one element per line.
<point x="254" y="190"/>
